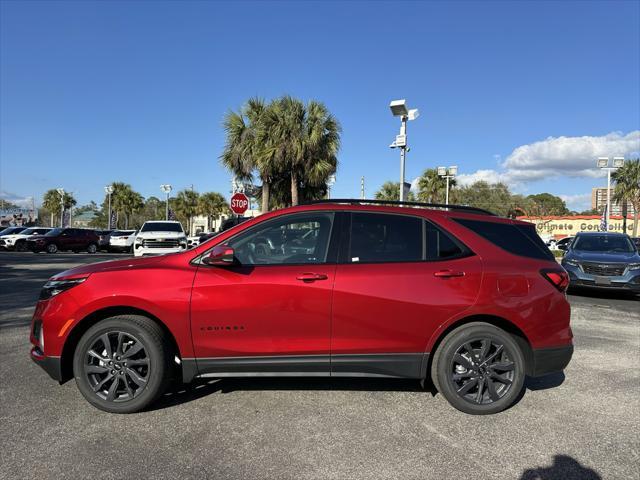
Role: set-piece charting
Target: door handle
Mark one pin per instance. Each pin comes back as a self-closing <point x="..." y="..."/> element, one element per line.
<point x="448" y="274"/>
<point x="311" y="277"/>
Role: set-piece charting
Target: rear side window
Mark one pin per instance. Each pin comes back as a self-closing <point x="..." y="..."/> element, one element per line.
<point x="385" y="238"/>
<point x="517" y="239"/>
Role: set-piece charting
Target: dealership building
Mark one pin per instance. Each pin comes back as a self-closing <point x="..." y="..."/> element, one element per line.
<point x="565" y="226"/>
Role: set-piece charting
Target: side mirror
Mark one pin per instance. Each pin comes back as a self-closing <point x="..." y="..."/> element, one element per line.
<point x="221" y="256"/>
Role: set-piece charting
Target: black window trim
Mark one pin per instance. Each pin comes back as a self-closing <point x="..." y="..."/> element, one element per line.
<point x="332" y="248"/>
<point x="345" y="247"/>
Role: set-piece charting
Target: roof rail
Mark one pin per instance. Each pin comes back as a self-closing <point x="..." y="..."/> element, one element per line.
<point x="442" y="206"/>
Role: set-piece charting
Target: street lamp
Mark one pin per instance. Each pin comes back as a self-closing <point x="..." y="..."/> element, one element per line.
<point x="166" y="189"/>
<point x="109" y="190"/>
<point x="61" y="192"/>
<point x="399" y="109"/>
<point x="603" y="163"/>
<point x="330" y="183"/>
<point x="447" y="173"/>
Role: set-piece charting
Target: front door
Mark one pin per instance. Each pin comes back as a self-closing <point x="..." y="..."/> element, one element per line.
<point x="270" y="311"/>
<point x="400" y="278"/>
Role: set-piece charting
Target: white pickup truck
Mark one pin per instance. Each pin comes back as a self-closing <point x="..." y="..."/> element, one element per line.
<point x="160" y="237"/>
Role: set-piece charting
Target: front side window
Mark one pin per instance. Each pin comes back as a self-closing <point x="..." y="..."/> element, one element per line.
<point x="385" y="238"/>
<point x="294" y="239"/>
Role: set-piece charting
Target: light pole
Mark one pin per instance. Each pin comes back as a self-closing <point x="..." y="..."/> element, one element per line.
<point x="330" y="183"/>
<point x="109" y="190"/>
<point x="61" y="192"/>
<point x="399" y="109"/>
<point x="603" y="163"/>
<point x="447" y="173"/>
<point x="166" y="189"/>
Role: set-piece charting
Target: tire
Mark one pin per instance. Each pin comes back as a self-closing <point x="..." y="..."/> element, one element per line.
<point x="52" y="248"/>
<point x="92" y="248"/>
<point x="21" y="246"/>
<point x="135" y="388"/>
<point x="479" y="387"/>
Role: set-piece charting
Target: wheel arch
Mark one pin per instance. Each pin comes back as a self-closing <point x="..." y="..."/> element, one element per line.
<point x="66" y="359"/>
<point x="497" y="321"/>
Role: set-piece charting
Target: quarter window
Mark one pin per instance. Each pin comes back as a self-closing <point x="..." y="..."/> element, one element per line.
<point x="440" y="245"/>
<point x="295" y="239"/>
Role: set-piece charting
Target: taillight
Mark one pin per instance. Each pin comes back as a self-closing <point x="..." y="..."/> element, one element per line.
<point x="558" y="278"/>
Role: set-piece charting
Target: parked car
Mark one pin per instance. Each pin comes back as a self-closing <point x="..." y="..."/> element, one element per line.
<point x="18" y="241"/>
<point x="103" y="238"/>
<point x="160" y="237"/>
<point x="206" y="236"/>
<point x="468" y="299"/>
<point x="636" y="241"/>
<point x="122" y="241"/>
<point x="11" y="231"/>
<point x="231" y="222"/>
<point x="193" y="241"/>
<point x="74" y="239"/>
<point x="603" y="260"/>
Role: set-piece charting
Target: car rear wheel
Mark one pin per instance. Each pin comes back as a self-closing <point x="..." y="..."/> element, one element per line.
<point x="52" y="248"/>
<point x="92" y="248"/>
<point x="121" y="364"/>
<point x="479" y="369"/>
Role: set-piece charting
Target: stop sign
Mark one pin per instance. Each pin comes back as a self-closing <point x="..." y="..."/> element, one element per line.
<point x="239" y="203"/>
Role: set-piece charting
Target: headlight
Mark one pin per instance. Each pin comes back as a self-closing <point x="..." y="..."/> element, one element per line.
<point x="634" y="266"/>
<point x="54" y="287"/>
<point x="9" y="241"/>
<point x="571" y="262"/>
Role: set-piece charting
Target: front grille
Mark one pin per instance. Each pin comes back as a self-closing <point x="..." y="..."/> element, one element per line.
<point x="604" y="269"/>
<point x="166" y="243"/>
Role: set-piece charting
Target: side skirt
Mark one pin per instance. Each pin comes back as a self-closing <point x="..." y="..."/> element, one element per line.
<point x="390" y="365"/>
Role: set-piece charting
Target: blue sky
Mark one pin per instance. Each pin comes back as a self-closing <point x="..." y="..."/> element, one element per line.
<point x="527" y="93"/>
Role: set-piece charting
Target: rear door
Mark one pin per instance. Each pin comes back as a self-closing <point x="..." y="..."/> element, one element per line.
<point x="399" y="278"/>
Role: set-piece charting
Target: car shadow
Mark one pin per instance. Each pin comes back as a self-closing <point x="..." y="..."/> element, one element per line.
<point x="179" y="393"/>
<point x="564" y="468"/>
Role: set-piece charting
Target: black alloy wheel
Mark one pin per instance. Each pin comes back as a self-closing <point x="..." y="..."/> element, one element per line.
<point x="479" y="368"/>
<point x="123" y="364"/>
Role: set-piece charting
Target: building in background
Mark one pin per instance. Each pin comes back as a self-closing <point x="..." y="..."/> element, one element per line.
<point x="558" y="227"/>
<point x="599" y="200"/>
<point x="201" y="223"/>
<point x="83" y="219"/>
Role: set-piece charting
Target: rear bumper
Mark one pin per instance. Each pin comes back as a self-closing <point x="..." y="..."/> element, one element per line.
<point x="550" y="360"/>
<point x="51" y="365"/>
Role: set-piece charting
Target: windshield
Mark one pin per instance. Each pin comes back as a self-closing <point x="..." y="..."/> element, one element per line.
<point x="603" y="243"/>
<point x="29" y="231"/>
<point x="53" y="233"/>
<point x="12" y="230"/>
<point x="123" y="233"/>
<point x="161" y="227"/>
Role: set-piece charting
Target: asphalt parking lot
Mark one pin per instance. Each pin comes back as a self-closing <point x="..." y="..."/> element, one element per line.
<point x="580" y="425"/>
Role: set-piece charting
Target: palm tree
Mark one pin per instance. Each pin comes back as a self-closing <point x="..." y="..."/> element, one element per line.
<point x="52" y="204"/>
<point x="627" y="188"/>
<point x="186" y="206"/>
<point x="391" y="191"/>
<point x="244" y="152"/>
<point x="432" y="187"/>
<point x="132" y="202"/>
<point x="212" y="205"/>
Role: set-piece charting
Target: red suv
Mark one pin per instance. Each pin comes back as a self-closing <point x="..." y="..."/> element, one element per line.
<point x="342" y="288"/>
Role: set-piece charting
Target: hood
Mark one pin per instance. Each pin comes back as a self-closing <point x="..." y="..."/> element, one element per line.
<point x="161" y="234"/>
<point x="111" y="265"/>
<point x="605" y="257"/>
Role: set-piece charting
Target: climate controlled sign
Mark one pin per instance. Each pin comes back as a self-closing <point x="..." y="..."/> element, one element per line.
<point x="239" y="203"/>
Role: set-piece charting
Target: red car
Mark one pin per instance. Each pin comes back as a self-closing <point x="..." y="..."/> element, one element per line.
<point x="342" y="288"/>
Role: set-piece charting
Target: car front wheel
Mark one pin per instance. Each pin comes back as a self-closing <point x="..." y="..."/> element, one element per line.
<point x="121" y="364"/>
<point x="52" y="248"/>
<point x="92" y="248"/>
<point x="479" y="369"/>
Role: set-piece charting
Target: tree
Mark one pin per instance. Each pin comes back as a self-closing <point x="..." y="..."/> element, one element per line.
<point x="432" y="187"/>
<point x="391" y="191"/>
<point x="493" y="197"/>
<point x="124" y="201"/>
<point x="212" y="205"/>
<point x="244" y="153"/>
<point x="627" y="188"/>
<point x="51" y="202"/>
<point x="543" y="204"/>
<point x="185" y="206"/>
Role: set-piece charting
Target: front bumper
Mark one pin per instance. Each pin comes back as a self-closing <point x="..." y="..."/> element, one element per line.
<point x="550" y="360"/>
<point x="51" y="365"/>
<point x="140" y="251"/>
<point x="578" y="278"/>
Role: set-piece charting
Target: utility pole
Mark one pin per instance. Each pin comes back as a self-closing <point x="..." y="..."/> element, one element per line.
<point x="362" y="188"/>
<point x="61" y="192"/>
<point x="399" y="109"/>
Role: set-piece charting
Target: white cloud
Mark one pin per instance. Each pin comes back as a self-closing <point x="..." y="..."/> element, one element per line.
<point x="15" y="199"/>
<point x="578" y="203"/>
<point x="558" y="156"/>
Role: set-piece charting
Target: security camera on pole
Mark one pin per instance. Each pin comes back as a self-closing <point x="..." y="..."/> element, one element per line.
<point x="109" y="190"/>
<point x="399" y="109"/>
<point x="447" y="173"/>
<point x="166" y="189"/>
<point x="603" y="163"/>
